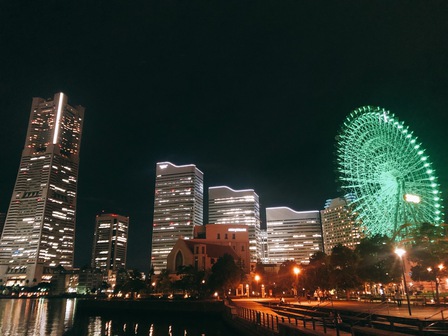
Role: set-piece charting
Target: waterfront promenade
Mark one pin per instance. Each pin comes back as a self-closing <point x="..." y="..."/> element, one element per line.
<point x="270" y="317"/>
<point x="352" y="313"/>
<point x="424" y="312"/>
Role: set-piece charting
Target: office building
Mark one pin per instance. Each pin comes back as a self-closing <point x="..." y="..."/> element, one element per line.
<point x="178" y="207"/>
<point x="339" y="224"/>
<point x="228" y="206"/>
<point x="110" y="242"/>
<point x="39" y="229"/>
<point x="292" y="235"/>
<point x="264" y="246"/>
<point x="2" y="222"/>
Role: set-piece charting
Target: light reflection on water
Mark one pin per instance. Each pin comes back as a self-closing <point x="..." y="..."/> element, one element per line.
<point x="147" y="325"/>
<point x="35" y="317"/>
<point x="39" y="317"/>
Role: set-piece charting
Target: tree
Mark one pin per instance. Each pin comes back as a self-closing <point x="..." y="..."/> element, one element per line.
<point x="164" y="283"/>
<point x="285" y="275"/>
<point x="343" y="269"/>
<point x="429" y="251"/>
<point x="225" y="274"/>
<point x="135" y="283"/>
<point x="377" y="260"/>
<point x="259" y="268"/>
<point x="316" y="273"/>
<point x="190" y="279"/>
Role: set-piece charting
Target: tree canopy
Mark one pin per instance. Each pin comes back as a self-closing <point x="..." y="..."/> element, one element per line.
<point x="225" y="274"/>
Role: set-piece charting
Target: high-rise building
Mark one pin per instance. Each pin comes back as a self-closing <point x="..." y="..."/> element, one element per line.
<point x="339" y="224"/>
<point x="110" y="242"/>
<point x="228" y="206"/>
<point x="39" y="229"/>
<point x="178" y="207"/>
<point x="292" y="235"/>
<point x="264" y="246"/>
<point x="2" y="222"/>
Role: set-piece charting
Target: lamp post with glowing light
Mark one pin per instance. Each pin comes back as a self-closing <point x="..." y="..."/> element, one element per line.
<point x="257" y="279"/>
<point x="296" y="272"/>
<point x="436" y="279"/>
<point x="400" y="252"/>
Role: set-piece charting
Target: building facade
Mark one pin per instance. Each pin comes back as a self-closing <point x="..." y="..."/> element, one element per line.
<point x="197" y="253"/>
<point x="264" y="246"/>
<point x="2" y="222"/>
<point x="178" y="207"/>
<point x="339" y="225"/>
<point x="110" y="242"/>
<point x="39" y="230"/>
<point x="228" y="206"/>
<point x="292" y="235"/>
<point x="232" y="235"/>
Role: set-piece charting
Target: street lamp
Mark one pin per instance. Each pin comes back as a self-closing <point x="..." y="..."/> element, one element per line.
<point x="440" y="267"/>
<point x="257" y="279"/>
<point x="296" y="272"/>
<point x="400" y="252"/>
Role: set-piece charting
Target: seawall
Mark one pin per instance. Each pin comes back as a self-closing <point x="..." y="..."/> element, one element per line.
<point x="100" y="307"/>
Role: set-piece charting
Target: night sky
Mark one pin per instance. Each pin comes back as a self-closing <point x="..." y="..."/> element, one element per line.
<point x="252" y="92"/>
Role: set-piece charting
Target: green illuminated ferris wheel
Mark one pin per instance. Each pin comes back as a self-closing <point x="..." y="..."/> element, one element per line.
<point x="383" y="166"/>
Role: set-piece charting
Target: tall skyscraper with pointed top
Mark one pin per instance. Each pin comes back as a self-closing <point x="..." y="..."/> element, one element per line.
<point x="39" y="230"/>
<point x="178" y="207"/>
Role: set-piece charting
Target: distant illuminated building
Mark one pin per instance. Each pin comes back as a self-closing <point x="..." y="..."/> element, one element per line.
<point x="39" y="229"/>
<point x="110" y="242"/>
<point x="264" y="246"/>
<point x="228" y="206"/>
<point x="339" y="225"/>
<point x="292" y="235"/>
<point x="178" y="207"/>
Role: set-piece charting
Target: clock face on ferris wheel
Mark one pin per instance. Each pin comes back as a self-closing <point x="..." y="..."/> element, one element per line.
<point x="386" y="171"/>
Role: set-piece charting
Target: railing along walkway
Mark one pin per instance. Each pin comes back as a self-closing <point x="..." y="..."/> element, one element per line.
<point x="320" y="324"/>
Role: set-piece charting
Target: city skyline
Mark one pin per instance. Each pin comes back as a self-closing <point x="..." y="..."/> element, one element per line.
<point x="252" y="94"/>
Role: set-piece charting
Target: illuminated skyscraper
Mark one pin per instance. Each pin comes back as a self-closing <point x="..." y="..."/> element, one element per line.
<point x="178" y="207"/>
<point x="292" y="235"/>
<point x="228" y="206"/>
<point x="339" y="225"/>
<point x="39" y="229"/>
<point x="2" y="221"/>
<point x="110" y="242"/>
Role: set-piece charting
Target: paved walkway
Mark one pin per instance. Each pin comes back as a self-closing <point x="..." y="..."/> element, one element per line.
<point x="256" y="304"/>
<point x="428" y="312"/>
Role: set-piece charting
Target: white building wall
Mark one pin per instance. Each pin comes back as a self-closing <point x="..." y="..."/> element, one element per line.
<point x="178" y="207"/>
<point x="228" y="206"/>
<point x="292" y="235"/>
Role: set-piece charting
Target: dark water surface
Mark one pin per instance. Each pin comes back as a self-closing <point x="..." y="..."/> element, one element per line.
<point x="57" y="317"/>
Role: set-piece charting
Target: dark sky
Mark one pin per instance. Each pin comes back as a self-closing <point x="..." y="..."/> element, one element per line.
<point x="252" y="92"/>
